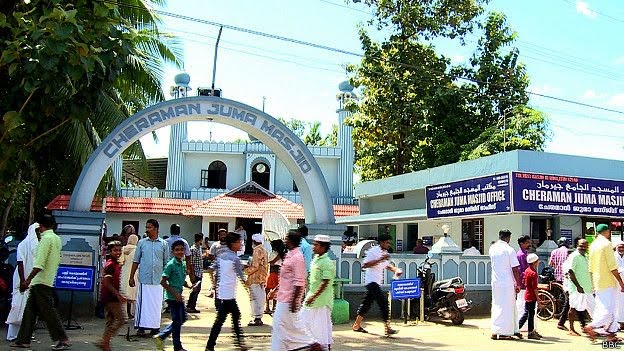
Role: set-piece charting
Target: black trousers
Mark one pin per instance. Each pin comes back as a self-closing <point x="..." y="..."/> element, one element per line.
<point x="225" y="307"/>
<point x="529" y="314"/>
<point x="374" y="293"/>
<point x="566" y="308"/>
<point x="40" y="304"/>
<point x="192" y="301"/>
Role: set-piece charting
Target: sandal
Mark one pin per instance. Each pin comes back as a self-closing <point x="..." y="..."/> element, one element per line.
<point x="61" y="346"/>
<point x="360" y="330"/>
<point x="519" y="336"/>
<point x="591" y="334"/>
<point x="501" y="337"/>
<point x="21" y="346"/>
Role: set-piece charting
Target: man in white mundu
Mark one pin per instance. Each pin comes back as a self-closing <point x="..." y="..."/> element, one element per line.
<point x="150" y="257"/>
<point x="505" y="286"/>
<point x="26" y="251"/>
<point x="606" y="282"/>
<point x="619" y="301"/>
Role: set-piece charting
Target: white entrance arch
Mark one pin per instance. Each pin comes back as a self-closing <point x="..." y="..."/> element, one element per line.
<point x="304" y="169"/>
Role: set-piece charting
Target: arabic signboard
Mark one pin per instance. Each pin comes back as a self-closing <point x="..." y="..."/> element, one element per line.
<point x="405" y="289"/>
<point x="77" y="278"/>
<point x="545" y="193"/>
<point x="476" y="196"/>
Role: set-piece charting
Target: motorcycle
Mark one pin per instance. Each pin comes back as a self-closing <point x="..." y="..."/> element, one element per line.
<point x="444" y="298"/>
<point x="6" y="278"/>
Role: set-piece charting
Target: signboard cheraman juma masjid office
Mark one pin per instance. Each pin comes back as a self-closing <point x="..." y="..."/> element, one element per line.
<point x="526" y="193"/>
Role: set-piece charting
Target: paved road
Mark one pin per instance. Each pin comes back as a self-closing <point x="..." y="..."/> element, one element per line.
<point x="472" y="335"/>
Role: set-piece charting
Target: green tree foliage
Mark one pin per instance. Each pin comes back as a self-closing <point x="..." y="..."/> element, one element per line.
<point x="310" y="132"/>
<point x="415" y="113"/>
<point x="71" y="72"/>
<point x="313" y="136"/>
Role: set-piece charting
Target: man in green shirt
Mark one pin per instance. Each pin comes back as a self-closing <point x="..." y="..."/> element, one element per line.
<point x="579" y="285"/>
<point x="319" y="301"/>
<point x="41" y="284"/>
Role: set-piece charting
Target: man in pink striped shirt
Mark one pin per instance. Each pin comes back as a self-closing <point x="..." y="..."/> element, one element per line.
<point x="557" y="257"/>
<point x="289" y="332"/>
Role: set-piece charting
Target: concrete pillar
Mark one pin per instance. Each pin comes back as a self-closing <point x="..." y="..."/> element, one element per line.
<point x="80" y="233"/>
<point x="175" y="163"/>
<point x="117" y="173"/>
<point x="345" y="142"/>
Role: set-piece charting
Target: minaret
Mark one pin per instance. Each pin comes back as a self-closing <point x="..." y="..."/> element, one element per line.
<point x="175" y="163"/>
<point x="345" y="142"/>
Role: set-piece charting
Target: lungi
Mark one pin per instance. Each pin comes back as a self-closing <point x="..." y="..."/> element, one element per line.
<point x="148" y="306"/>
<point x="604" y="313"/>
<point x="258" y="299"/>
<point x="619" y="306"/>
<point x="289" y="331"/>
<point x="504" y="317"/>
<point x="318" y="321"/>
<point x="14" y="319"/>
<point x="582" y="302"/>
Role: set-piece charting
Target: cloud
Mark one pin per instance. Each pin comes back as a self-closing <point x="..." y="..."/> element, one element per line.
<point x="619" y="60"/>
<point x="545" y="90"/>
<point x="583" y="8"/>
<point x="592" y="95"/>
<point x="617" y="100"/>
<point x="458" y="58"/>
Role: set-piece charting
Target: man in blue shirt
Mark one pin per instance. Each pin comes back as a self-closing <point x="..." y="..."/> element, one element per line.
<point x="150" y="257"/>
<point x="306" y="248"/>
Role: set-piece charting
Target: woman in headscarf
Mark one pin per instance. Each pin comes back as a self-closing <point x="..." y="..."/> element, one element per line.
<point x="127" y="254"/>
<point x="26" y="251"/>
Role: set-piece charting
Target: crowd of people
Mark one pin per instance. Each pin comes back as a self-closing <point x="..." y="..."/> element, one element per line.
<point x="591" y="276"/>
<point x="141" y="273"/>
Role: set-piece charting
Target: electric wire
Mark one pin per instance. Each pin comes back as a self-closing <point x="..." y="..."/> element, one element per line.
<point x="346" y="52"/>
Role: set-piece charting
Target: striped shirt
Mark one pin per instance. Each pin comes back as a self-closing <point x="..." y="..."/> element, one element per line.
<point x="557" y="257"/>
<point x="196" y="260"/>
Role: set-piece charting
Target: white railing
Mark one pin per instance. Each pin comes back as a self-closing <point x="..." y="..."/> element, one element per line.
<point x="139" y="192"/>
<point x="206" y="193"/>
<point x="237" y="148"/>
<point x="475" y="271"/>
<point x="290" y="196"/>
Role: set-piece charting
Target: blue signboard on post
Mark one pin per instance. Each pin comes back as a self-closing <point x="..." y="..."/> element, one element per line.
<point x="75" y="278"/>
<point x="405" y="289"/>
<point x="476" y="196"/>
<point x="546" y="193"/>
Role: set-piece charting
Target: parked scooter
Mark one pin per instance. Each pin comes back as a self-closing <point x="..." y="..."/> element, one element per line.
<point x="444" y="298"/>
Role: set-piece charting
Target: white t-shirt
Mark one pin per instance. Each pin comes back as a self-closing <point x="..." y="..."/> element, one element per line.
<point x="503" y="258"/>
<point x="375" y="273"/>
<point x="227" y="270"/>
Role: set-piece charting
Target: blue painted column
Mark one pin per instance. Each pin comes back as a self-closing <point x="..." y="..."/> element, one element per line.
<point x="117" y="173"/>
<point x="175" y="163"/>
<point x="345" y="142"/>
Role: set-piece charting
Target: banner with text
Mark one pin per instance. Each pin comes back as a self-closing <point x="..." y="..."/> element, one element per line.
<point x="78" y="278"/>
<point x="476" y="196"/>
<point x="545" y="193"/>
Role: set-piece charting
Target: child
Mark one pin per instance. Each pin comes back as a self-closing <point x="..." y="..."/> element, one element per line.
<point x="530" y="281"/>
<point x="227" y="268"/>
<point x="173" y="278"/>
<point x="114" y="303"/>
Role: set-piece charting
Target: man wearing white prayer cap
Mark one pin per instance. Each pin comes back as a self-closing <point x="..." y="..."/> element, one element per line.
<point x="318" y="303"/>
<point x="257" y="273"/>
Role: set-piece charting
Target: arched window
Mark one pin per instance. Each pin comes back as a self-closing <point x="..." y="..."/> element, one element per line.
<point x="216" y="176"/>
<point x="261" y="174"/>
